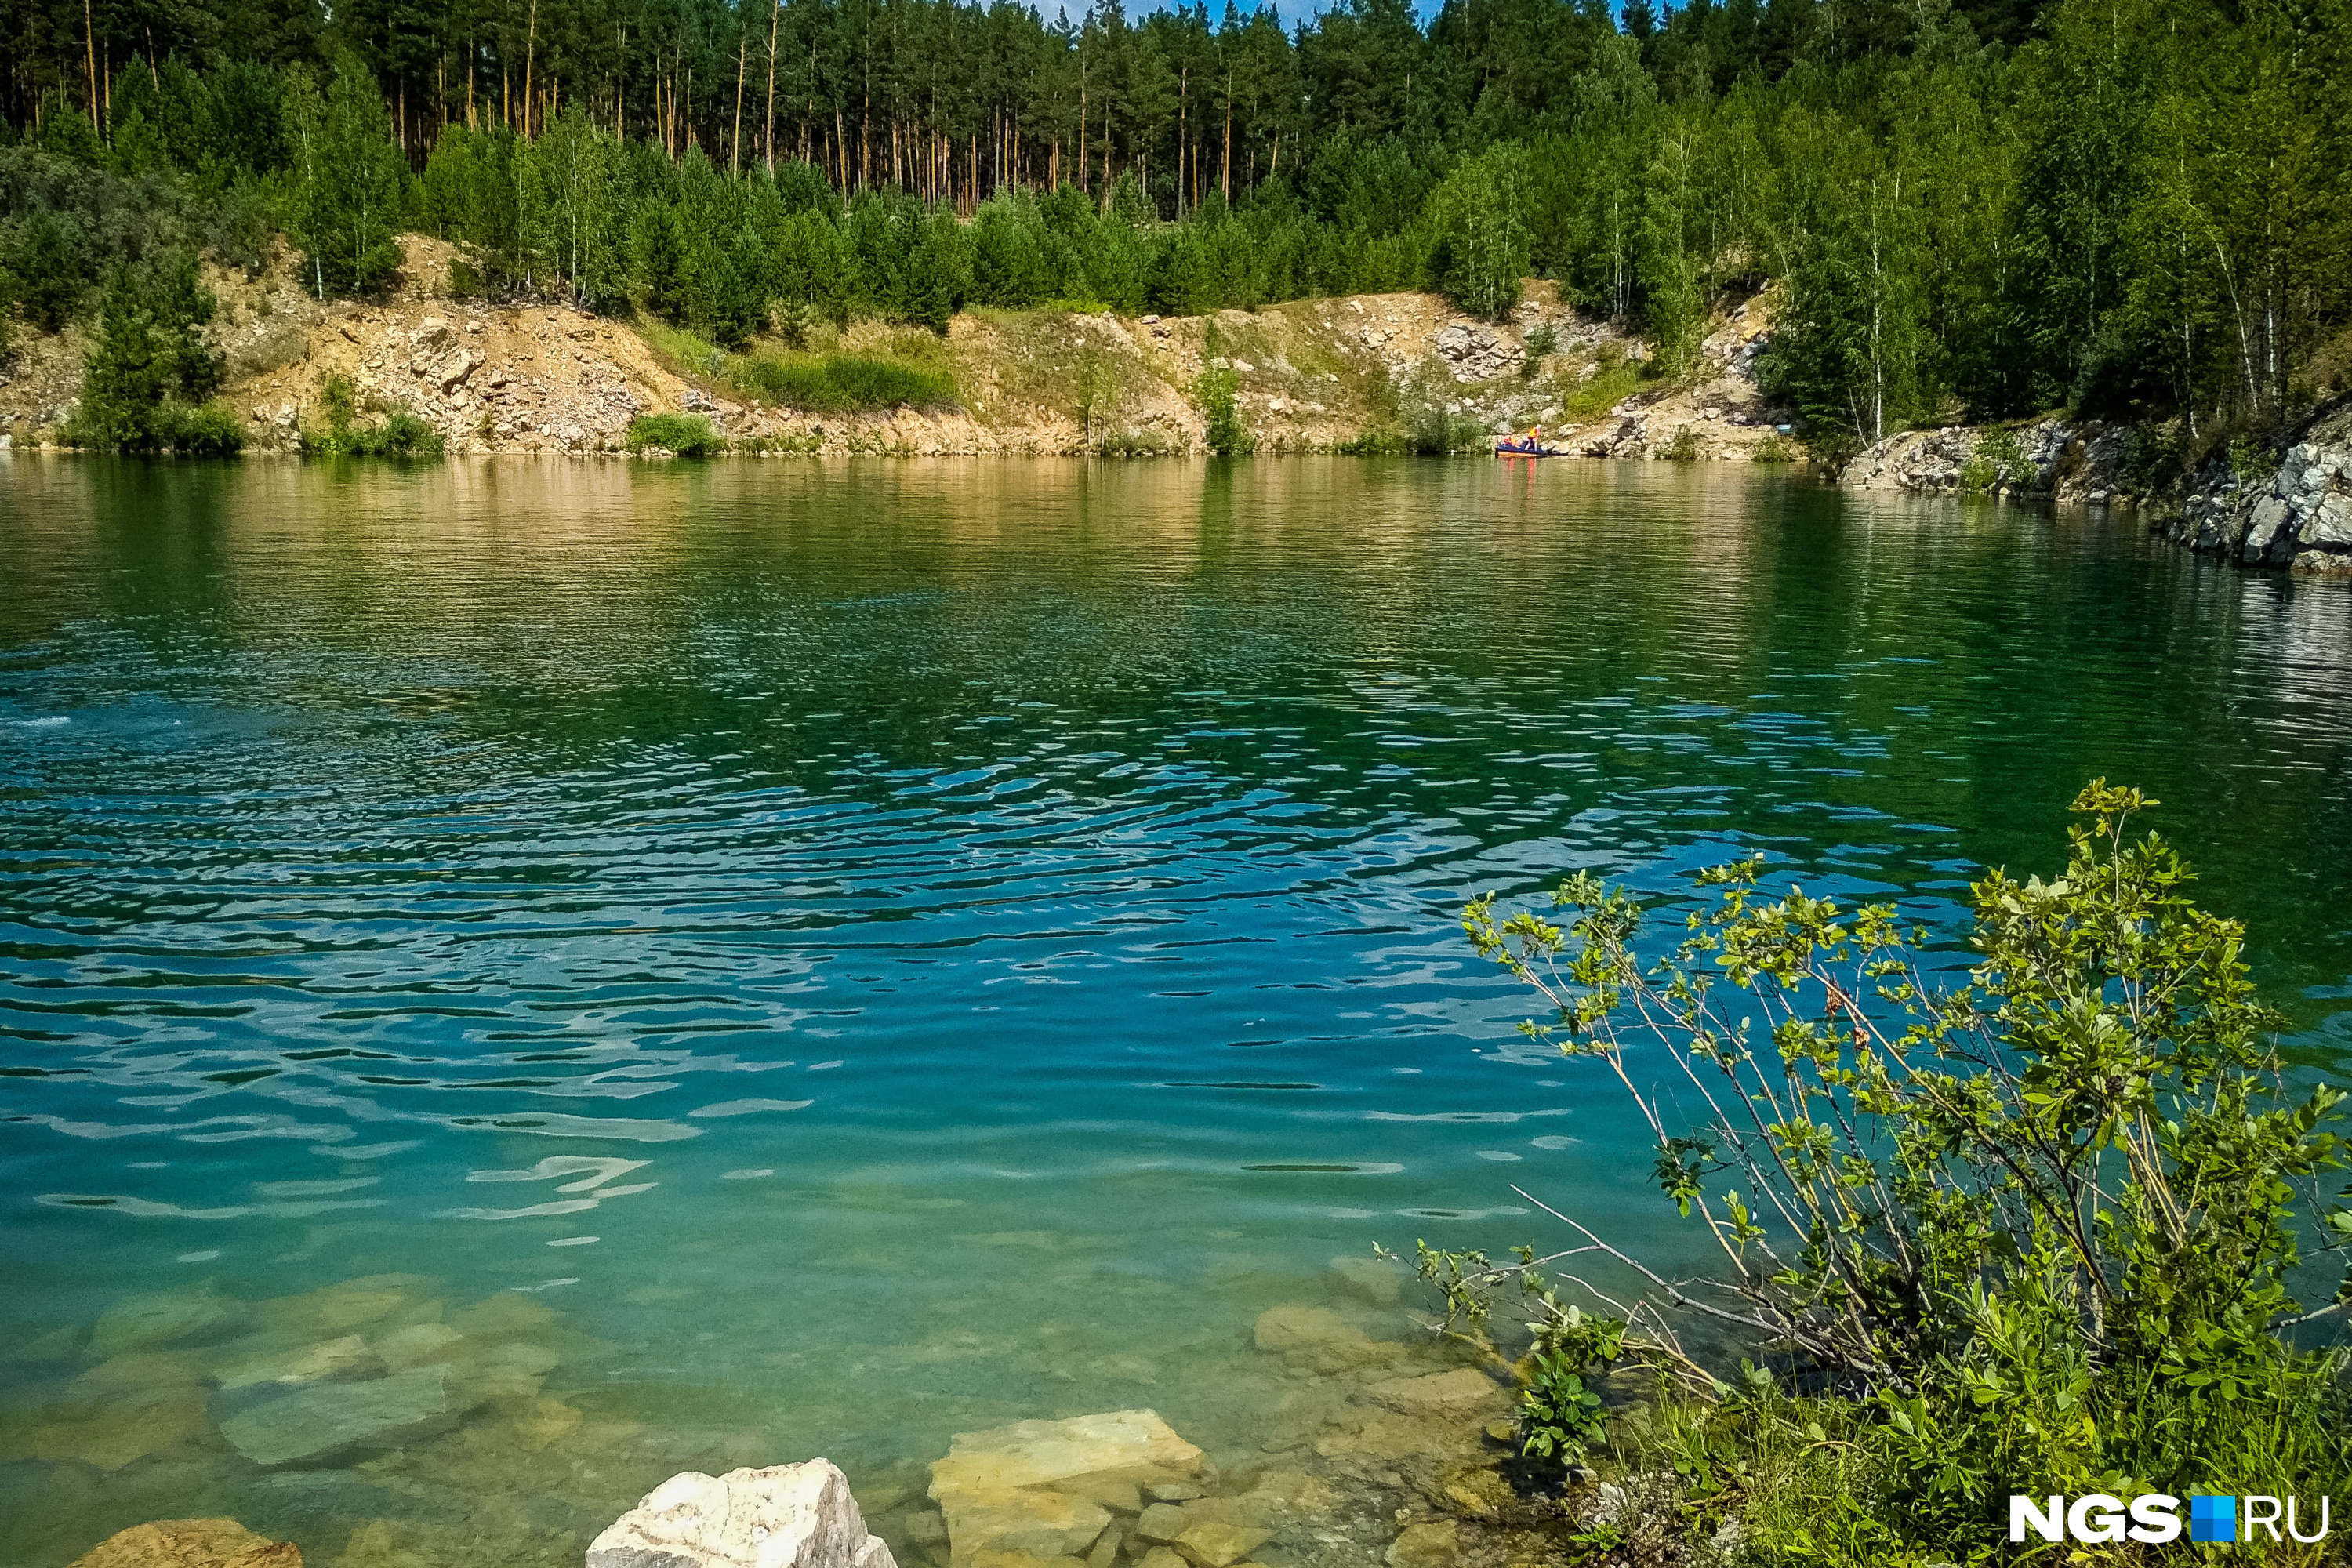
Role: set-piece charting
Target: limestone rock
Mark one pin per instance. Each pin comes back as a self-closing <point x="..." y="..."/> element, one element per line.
<point x="1164" y="1557"/>
<point x="1425" y="1546"/>
<point x="450" y="373"/>
<point x="1461" y="1389"/>
<point x="1162" y="1522"/>
<point x="298" y="1363"/>
<point x="118" y="1411"/>
<point x="190" y="1543"/>
<point x="1379" y="1280"/>
<point x="327" y="1418"/>
<point x="1212" y="1543"/>
<point x="1319" y="1338"/>
<point x="2330" y="524"/>
<point x="786" y="1516"/>
<point x="1047" y="1489"/>
<point x="419" y="1345"/>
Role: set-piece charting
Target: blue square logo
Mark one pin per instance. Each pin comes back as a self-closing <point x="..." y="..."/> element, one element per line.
<point x="2213" y="1520"/>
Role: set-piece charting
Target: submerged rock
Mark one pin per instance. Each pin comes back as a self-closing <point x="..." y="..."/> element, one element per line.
<point x="787" y="1515"/>
<point x="1425" y="1546"/>
<point x="190" y="1543"/>
<point x="118" y="1411"/>
<point x="1318" y="1339"/>
<point x="326" y="1417"/>
<point x="300" y="1364"/>
<point x="1379" y="1280"/>
<point x="138" y="1323"/>
<point x="1051" y="1489"/>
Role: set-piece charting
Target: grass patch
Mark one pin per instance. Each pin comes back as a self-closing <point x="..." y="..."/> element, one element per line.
<point x="687" y="435"/>
<point x="1605" y="390"/>
<point x="840" y="383"/>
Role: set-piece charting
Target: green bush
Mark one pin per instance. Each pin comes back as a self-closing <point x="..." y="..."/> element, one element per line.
<point x="1226" y="434"/>
<point x="1683" y="448"/>
<point x="401" y="432"/>
<point x="840" y="383"/>
<point x="687" y="435"/>
<point x="1774" y="448"/>
<point x="2045" y="1230"/>
<point x="206" y="430"/>
<point x="1999" y="459"/>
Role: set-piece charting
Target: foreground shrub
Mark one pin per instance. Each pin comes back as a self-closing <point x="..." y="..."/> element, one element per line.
<point x="2042" y="1232"/>
<point x="687" y="435"/>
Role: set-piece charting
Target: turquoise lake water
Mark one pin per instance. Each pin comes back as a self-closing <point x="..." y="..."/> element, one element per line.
<point x="812" y="958"/>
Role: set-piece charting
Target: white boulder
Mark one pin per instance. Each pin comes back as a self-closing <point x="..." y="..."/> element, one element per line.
<point x="786" y="1516"/>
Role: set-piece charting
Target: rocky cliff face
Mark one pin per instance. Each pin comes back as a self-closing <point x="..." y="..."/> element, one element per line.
<point x="2299" y="517"/>
<point x="2069" y="460"/>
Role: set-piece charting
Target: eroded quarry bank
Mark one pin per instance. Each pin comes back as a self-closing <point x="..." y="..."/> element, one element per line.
<point x="1309" y="375"/>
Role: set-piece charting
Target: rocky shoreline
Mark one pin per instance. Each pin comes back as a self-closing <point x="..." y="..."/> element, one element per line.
<point x="2289" y="508"/>
<point x="2298" y="516"/>
<point x="1386" y="1454"/>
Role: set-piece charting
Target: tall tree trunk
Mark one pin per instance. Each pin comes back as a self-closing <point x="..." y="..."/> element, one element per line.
<point x="1225" y="181"/>
<point x="529" y="49"/>
<point x="735" y="151"/>
<point x="767" y="138"/>
<point x="89" y="60"/>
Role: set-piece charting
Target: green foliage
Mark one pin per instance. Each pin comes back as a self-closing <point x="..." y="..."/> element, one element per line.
<point x="1226" y="436"/>
<point x="150" y="368"/>
<point x="1591" y="399"/>
<point x="1683" y="446"/>
<point x="2057" y="1222"/>
<point x="2155" y="459"/>
<point x="1481" y="248"/>
<point x="349" y="182"/>
<point x="1542" y="341"/>
<point x="1431" y="431"/>
<point x="687" y="434"/>
<point x="401" y="432"/>
<point x="1999" y="459"/>
<point x="45" y="260"/>
<point x="840" y="383"/>
<point x="2138" y="208"/>
<point x="1559" y="1417"/>
<point x="207" y="430"/>
<point x="1773" y="448"/>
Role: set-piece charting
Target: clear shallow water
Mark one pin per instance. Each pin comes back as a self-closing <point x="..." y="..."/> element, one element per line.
<point x="865" y="952"/>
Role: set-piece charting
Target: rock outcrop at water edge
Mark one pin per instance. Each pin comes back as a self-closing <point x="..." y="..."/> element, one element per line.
<point x="2067" y="460"/>
<point x="2298" y="516"/>
<point x="786" y="1516"/>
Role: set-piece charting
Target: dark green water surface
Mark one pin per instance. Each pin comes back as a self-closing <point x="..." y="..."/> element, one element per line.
<point x="807" y="958"/>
